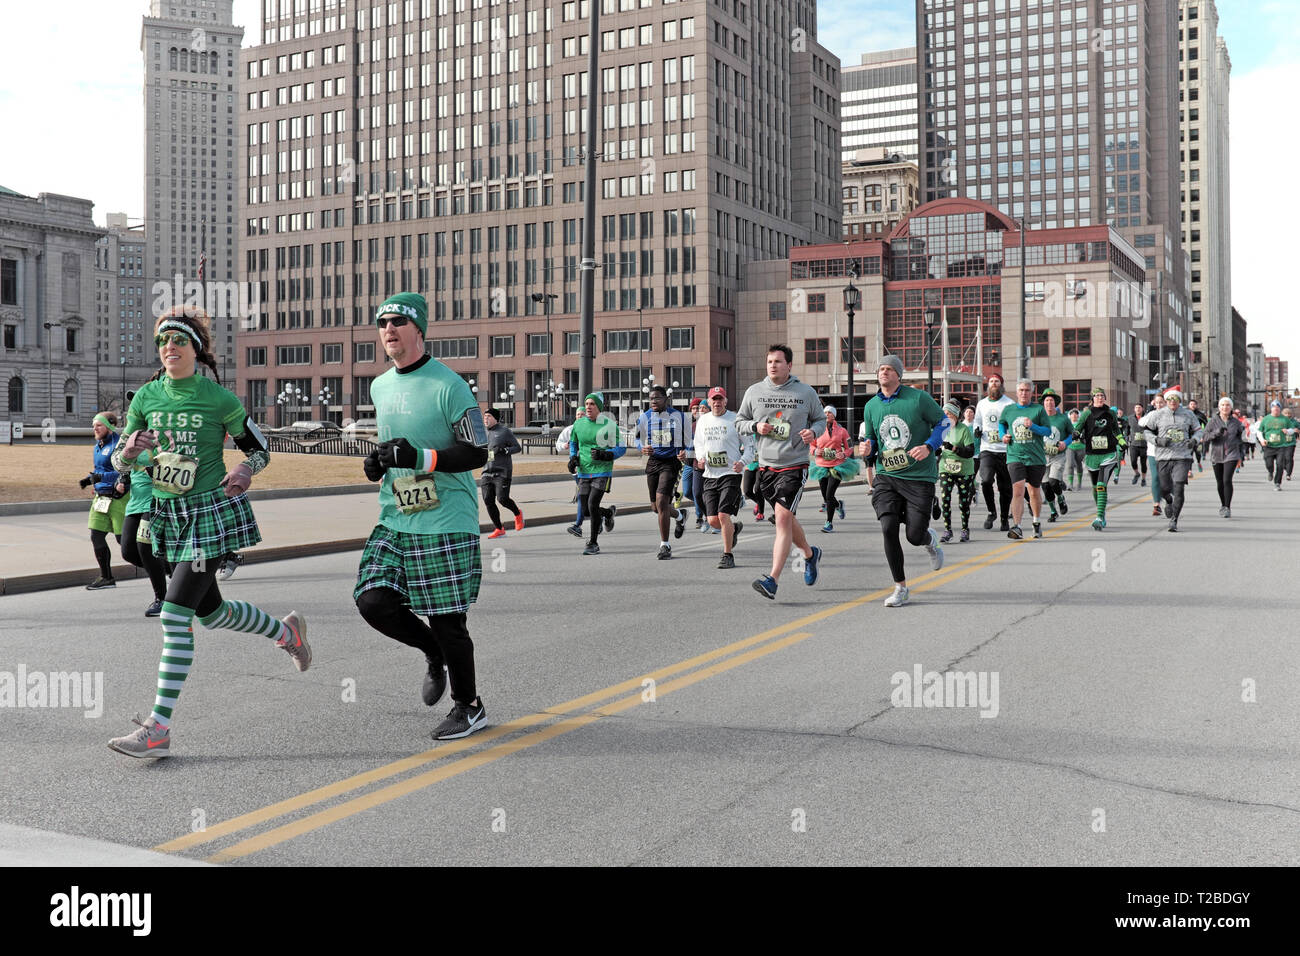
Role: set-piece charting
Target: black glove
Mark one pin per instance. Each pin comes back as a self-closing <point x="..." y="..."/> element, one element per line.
<point x="87" y="481"/>
<point x="398" y="453"/>
<point x="573" y="464"/>
<point x="374" y="470"/>
<point x="602" y="454"/>
<point x="947" y="445"/>
<point x="1162" y="442"/>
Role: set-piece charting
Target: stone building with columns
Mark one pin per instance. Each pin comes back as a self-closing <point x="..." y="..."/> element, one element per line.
<point x="47" y="309"/>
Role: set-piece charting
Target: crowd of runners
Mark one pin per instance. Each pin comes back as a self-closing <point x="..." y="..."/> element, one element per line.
<point x="161" y="486"/>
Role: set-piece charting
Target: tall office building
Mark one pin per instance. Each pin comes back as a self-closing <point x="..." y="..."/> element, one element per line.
<point x="191" y="111"/>
<point x="1063" y="115"/>
<point x="1204" y="70"/>
<point x="434" y="145"/>
<point x="878" y="104"/>
<point x="124" y="329"/>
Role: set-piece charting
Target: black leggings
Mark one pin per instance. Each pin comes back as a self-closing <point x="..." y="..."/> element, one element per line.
<point x="918" y="533"/>
<point x="996" y="468"/>
<point x="1137" y="458"/>
<point x="444" y="640"/>
<point x="828" y="486"/>
<point x="490" y="490"/>
<point x="104" y="556"/>
<point x="195" y="589"/>
<point x="1223" y="478"/>
<point x="752" y="488"/>
<point x="142" y="557"/>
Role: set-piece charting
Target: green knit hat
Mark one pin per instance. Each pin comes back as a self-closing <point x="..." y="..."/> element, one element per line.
<point x="409" y="304"/>
<point x="598" y="398"/>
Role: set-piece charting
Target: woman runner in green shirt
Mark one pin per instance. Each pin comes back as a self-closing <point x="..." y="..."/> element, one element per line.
<point x="177" y="424"/>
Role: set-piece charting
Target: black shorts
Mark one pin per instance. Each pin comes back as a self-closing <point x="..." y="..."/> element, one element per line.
<point x="993" y="464"/>
<point x="722" y="495"/>
<point x="499" y="483"/>
<point x="601" y="483"/>
<point x="901" y="496"/>
<point x="783" y="487"/>
<point x="1033" y="474"/>
<point x="661" y="476"/>
<point x="1174" y="471"/>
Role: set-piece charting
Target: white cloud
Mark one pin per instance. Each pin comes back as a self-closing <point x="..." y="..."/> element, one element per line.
<point x="849" y="29"/>
<point x="1265" y="205"/>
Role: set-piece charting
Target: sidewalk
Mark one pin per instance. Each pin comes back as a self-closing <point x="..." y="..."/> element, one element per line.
<point x="45" y="551"/>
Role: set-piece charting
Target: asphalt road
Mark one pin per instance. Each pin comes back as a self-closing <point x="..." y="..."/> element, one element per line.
<point x="1144" y="714"/>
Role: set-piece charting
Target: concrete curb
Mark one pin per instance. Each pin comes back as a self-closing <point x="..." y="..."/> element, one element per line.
<point x="21" y="508"/>
<point x="52" y="580"/>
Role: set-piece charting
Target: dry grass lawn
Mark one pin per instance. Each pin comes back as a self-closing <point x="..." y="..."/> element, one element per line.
<point x="31" y="471"/>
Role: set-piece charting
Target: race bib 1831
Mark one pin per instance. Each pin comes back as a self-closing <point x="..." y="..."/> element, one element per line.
<point x="415" y="493"/>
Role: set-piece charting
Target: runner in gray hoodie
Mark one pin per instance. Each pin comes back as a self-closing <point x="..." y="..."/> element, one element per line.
<point x="787" y="417"/>
<point x="1176" y="431"/>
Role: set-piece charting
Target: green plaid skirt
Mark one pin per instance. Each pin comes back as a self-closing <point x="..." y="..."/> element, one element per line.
<point x="436" y="573"/>
<point x="203" y="526"/>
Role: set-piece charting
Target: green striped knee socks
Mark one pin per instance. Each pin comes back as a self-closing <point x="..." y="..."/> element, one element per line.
<point x="1099" y="493"/>
<point x="177" y="656"/>
<point x="242" y="616"/>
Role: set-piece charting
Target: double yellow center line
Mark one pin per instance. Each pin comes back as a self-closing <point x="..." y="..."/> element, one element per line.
<point x="461" y="756"/>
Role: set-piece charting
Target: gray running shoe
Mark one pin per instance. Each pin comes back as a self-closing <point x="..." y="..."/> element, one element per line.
<point x="680" y="528"/>
<point x="296" y="643"/>
<point x="665" y="552"/>
<point x="736" y="528"/>
<point x="435" y="683"/>
<point x="575" y="530"/>
<point x="591" y="549"/>
<point x="461" y="722"/>
<point x="727" y="561"/>
<point x="935" y="552"/>
<point x="152" y="740"/>
<point x="229" y="565"/>
<point x="609" y="518"/>
<point x="102" y="582"/>
<point x="900" y="596"/>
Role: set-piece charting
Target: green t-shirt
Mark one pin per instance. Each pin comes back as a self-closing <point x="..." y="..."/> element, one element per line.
<point x="951" y="463"/>
<point x="1271" y="427"/>
<point x="191" y="417"/>
<point x="423" y="406"/>
<point x="141" y="493"/>
<point x="602" y="433"/>
<point x="1061" y="429"/>
<point x="1023" y="445"/>
<point x="898" y="425"/>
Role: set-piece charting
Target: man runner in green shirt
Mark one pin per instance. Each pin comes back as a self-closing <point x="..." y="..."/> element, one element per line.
<point x="904" y="429"/>
<point x="1062" y="427"/>
<point x="1026" y="457"/>
<point x="422" y="559"/>
<point x="1276" y="433"/>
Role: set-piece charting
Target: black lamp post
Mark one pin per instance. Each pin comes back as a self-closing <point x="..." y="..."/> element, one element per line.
<point x="852" y="302"/>
<point x="545" y="298"/>
<point x="931" y="318"/>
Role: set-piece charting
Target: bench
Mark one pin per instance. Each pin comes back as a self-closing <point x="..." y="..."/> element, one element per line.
<point x="529" y="442"/>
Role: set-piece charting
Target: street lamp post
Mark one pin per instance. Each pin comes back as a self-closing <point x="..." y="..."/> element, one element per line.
<point x="509" y="395"/>
<point x="124" y="391"/>
<point x="546" y="298"/>
<point x="931" y="319"/>
<point x="640" y="344"/>
<point x="852" y="302"/>
<point x="49" y="363"/>
<point x="324" y="397"/>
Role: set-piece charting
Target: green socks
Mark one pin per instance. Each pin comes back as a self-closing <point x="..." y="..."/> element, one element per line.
<point x="177" y="656"/>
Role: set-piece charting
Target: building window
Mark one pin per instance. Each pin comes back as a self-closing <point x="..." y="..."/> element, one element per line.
<point x="859" y="348"/>
<point x="70" y="340"/>
<point x="539" y="343"/>
<point x="681" y="376"/>
<point x="1036" y="340"/>
<point x="776" y="311"/>
<point x="816" y="351"/>
<point x="1076" y="341"/>
<point x="363" y="351"/>
<point x="8" y="281"/>
<point x="293" y="355"/>
<point x="361" y="386"/>
<point x="466" y="347"/>
<point x="17" y="392"/>
<point x="626" y="340"/>
<point x="724" y="340"/>
<point x="572" y="343"/>
<point x="331" y="353"/>
<point x="256" y="356"/>
<point x="1076" y="393"/>
<point x="681" y="338"/>
<point x="817" y="302"/>
<point x="503" y="345"/>
<point x="11" y="337"/>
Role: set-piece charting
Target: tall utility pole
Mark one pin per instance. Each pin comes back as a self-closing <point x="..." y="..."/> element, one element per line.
<point x="1022" y="367"/>
<point x="588" y="324"/>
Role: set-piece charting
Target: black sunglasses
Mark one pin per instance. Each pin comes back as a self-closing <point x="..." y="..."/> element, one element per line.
<point x="396" y="321"/>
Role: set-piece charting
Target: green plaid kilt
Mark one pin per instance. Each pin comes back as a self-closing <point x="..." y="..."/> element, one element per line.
<point x="204" y="526"/>
<point x="436" y="573"/>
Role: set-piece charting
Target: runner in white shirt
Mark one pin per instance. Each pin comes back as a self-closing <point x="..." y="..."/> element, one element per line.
<point x="723" y="454"/>
<point x="993" y="453"/>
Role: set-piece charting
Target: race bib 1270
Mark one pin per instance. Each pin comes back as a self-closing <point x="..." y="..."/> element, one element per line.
<point x="174" y="473"/>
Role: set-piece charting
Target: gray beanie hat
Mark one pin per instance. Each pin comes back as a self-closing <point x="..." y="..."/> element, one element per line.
<point x="894" y="362"/>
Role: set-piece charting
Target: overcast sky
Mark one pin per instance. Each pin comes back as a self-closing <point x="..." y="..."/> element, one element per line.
<point x="70" y="99"/>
